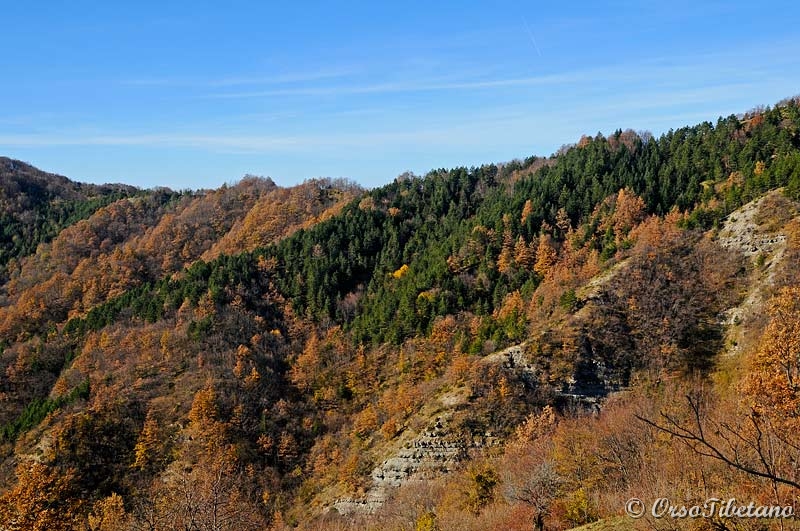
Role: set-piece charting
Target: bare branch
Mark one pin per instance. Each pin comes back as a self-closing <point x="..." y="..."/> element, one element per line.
<point x="695" y="438"/>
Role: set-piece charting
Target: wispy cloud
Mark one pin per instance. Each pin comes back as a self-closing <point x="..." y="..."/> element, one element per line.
<point x="452" y="134"/>
<point x="406" y="86"/>
<point x="495" y="125"/>
<point x="659" y="92"/>
<point x="285" y="78"/>
<point x="263" y="79"/>
<point x="533" y="39"/>
<point x="256" y="143"/>
<point x="653" y="71"/>
<point x="673" y="71"/>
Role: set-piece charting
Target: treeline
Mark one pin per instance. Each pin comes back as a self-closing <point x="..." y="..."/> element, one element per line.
<point x="400" y="256"/>
<point x="381" y="267"/>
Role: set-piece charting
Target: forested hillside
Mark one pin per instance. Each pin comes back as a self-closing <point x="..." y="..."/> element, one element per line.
<point x="513" y="346"/>
<point x="36" y="206"/>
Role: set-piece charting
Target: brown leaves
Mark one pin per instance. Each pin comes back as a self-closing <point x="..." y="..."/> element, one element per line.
<point x="773" y="386"/>
<point x="546" y="255"/>
<point x="45" y="498"/>
<point x="210" y="495"/>
<point x="670" y="292"/>
<point x="108" y="514"/>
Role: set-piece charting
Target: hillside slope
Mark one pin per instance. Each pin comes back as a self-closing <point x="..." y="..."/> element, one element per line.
<point x="35" y="206"/>
<point x="478" y="348"/>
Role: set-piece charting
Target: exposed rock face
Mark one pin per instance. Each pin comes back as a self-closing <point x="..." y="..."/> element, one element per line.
<point x="742" y="231"/>
<point x="514" y="358"/>
<point x="433" y="452"/>
<point x="588" y="384"/>
<point x="429" y="454"/>
<point x="438" y="449"/>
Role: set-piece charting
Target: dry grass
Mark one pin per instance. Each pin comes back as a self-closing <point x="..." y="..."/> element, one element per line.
<point x="775" y="211"/>
<point x="616" y="523"/>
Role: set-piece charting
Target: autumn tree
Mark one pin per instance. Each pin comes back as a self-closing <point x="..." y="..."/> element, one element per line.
<point x="108" y="514"/>
<point x="211" y="495"/>
<point x="524" y="254"/>
<point x="44" y="498"/>
<point x="629" y="211"/>
<point x="773" y="385"/>
<point x="149" y="448"/>
<point x="546" y="255"/>
<point x="505" y="261"/>
<point x="204" y="417"/>
<point x="750" y="444"/>
<point x="481" y="487"/>
<point x="307" y="365"/>
<point x="527" y="211"/>
<point x="528" y="472"/>
<point x="670" y="315"/>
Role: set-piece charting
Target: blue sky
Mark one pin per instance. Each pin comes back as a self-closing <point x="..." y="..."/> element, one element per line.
<point x="193" y="94"/>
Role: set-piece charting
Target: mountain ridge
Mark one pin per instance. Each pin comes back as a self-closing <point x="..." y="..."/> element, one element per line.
<point x="265" y="349"/>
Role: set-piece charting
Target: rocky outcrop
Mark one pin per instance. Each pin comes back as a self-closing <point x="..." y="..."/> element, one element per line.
<point x="742" y="232"/>
<point x="438" y="449"/>
<point x="433" y="452"/>
<point x="514" y="358"/>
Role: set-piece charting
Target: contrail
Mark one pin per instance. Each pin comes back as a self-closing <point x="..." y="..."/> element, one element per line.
<point x="533" y="39"/>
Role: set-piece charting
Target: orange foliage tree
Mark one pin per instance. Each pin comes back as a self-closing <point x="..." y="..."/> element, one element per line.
<point x="45" y="498"/>
<point x="773" y="384"/>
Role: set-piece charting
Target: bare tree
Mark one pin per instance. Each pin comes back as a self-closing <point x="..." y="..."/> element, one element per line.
<point x="536" y="485"/>
<point x="207" y="497"/>
<point x="754" y="447"/>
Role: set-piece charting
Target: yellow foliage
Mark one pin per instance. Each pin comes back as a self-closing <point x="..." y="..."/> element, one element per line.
<point x="252" y="378"/>
<point x="579" y="509"/>
<point x="389" y="428"/>
<point x="400" y="273"/>
<point x="365" y="422"/>
<point x="148" y="446"/>
<point x="44" y="498"/>
<point x="527" y="210"/>
<point x="108" y="514"/>
<point x="426" y="522"/>
<point x="512" y="305"/>
<point x="524" y="254"/>
<point x="204" y="407"/>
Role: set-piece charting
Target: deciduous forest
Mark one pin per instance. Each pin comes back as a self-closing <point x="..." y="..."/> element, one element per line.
<point x="524" y="345"/>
